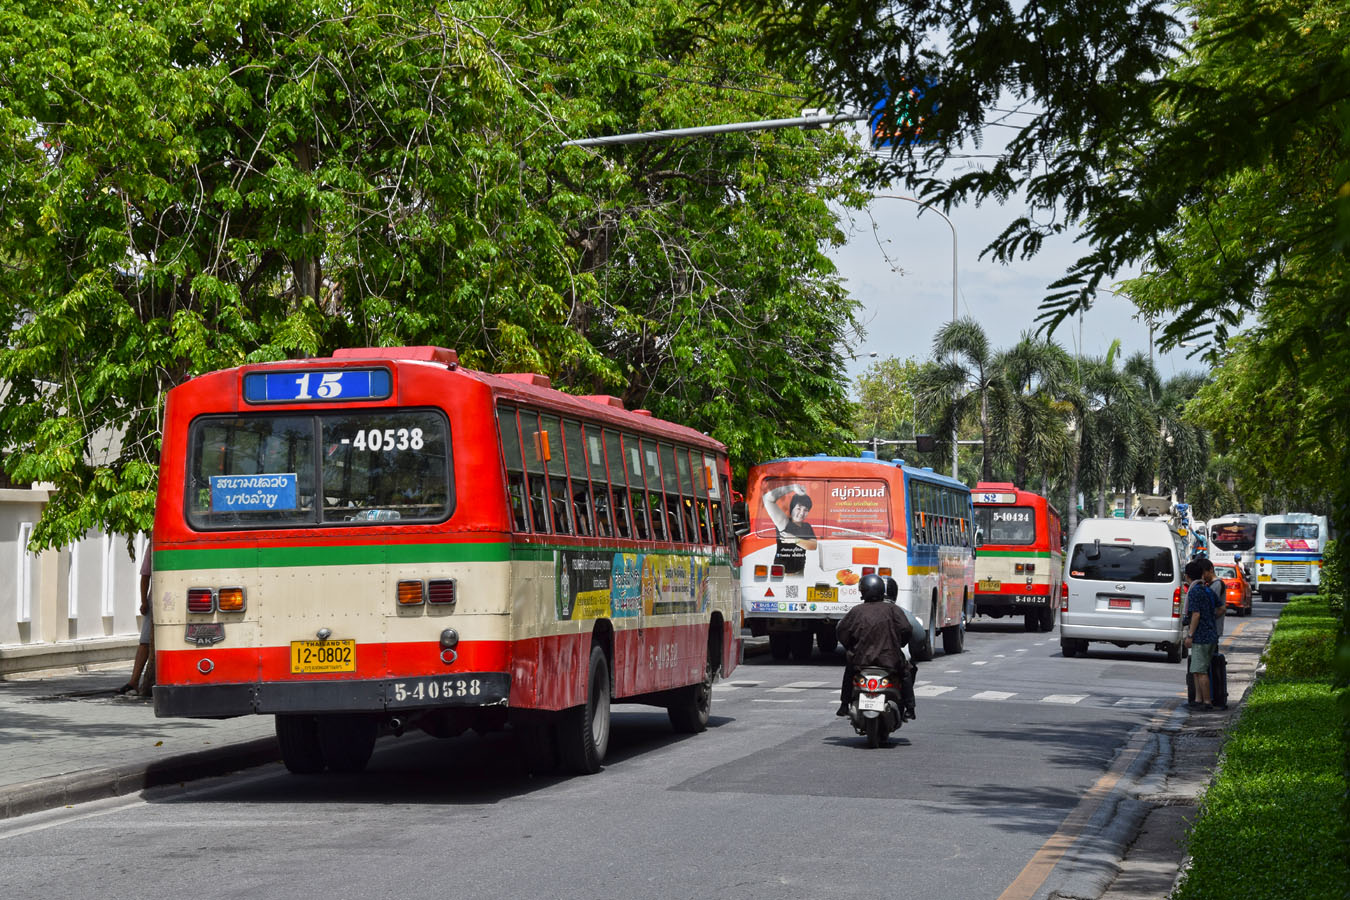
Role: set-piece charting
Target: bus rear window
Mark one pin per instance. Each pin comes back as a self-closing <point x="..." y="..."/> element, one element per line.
<point x="373" y="467"/>
<point x="1307" y="531"/>
<point x="1122" y="562"/>
<point x="1238" y="536"/>
<point x="1007" y="524"/>
<point x="832" y="508"/>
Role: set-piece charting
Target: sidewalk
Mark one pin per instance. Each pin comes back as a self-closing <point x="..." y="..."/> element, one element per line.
<point x="69" y="738"/>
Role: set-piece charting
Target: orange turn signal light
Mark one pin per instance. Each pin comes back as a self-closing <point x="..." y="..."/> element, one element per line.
<point x="230" y="599"/>
<point x="410" y="593"/>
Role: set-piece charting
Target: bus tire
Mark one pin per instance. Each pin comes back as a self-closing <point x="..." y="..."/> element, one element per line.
<point x="1047" y="617"/>
<point x="347" y="741"/>
<point x="298" y="737"/>
<point x="780" y="645"/>
<point x="539" y="747"/>
<point x="954" y="638"/>
<point x="928" y="646"/>
<point x="583" y="733"/>
<point x="689" y="714"/>
<point x="801" y="644"/>
<point x="827" y="639"/>
<point x="1031" y="621"/>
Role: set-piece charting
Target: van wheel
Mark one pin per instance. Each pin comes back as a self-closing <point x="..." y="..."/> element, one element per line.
<point x="1174" y="653"/>
<point x="1068" y="647"/>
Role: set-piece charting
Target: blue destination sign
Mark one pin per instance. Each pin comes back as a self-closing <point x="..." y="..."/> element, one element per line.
<point x="317" y="385"/>
<point x="252" y="493"/>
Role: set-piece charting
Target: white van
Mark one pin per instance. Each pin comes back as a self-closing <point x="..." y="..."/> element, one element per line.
<point x="1123" y="581"/>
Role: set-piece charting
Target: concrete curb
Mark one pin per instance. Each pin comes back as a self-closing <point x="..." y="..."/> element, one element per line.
<point x="115" y="781"/>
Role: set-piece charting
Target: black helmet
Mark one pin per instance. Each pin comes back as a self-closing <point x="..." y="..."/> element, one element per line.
<point x="872" y="588"/>
<point x="892" y="588"/>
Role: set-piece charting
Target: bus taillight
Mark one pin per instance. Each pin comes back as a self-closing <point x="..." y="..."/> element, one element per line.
<point x="869" y="570"/>
<point x="1028" y="568"/>
<point x="776" y="571"/>
<point x="410" y="593"/>
<point x="230" y="599"/>
<point x="199" y="600"/>
<point x="441" y="590"/>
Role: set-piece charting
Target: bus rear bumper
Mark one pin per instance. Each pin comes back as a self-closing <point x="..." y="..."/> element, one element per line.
<point x="222" y="701"/>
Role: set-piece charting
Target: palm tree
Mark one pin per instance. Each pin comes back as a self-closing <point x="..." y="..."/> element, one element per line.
<point x="1116" y="428"/>
<point x="1035" y="416"/>
<point x="961" y="383"/>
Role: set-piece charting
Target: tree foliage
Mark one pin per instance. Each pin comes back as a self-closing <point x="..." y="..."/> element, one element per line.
<point x="187" y="185"/>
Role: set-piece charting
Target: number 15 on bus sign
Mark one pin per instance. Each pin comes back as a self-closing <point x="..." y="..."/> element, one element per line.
<point x="317" y="385"/>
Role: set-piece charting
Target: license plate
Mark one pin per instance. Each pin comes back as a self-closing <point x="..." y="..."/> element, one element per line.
<point x="822" y="595"/>
<point x="317" y="657"/>
<point x="1118" y="603"/>
<point x="990" y="584"/>
<point x="872" y="702"/>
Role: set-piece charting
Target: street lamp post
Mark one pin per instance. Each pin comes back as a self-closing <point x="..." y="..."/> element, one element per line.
<point x="923" y="206"/>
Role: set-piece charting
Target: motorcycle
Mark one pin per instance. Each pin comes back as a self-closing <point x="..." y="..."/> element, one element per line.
<point x="874" y="711"/>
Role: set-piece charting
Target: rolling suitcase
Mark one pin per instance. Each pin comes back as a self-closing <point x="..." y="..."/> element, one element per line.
<point x="1218" y="682"/>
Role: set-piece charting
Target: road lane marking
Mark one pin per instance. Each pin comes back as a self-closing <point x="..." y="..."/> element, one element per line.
<point x="931" y="690"/>
<point x="769" y="700"/>
<point x="1029" y="881"/>
<point x="796" y="687"/>
<point x="994" y="695"/>
<point x="979" y="662"/>
<point x="1063" y="698"/>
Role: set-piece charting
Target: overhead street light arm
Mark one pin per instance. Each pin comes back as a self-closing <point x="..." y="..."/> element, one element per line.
<point x="644" y="137"/>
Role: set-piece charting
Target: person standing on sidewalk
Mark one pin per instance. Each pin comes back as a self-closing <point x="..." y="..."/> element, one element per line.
<point x="1203" y="607"/>
<point x="146" y="648"/>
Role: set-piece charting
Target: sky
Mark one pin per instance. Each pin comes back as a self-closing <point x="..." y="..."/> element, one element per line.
<point x="898" y="264"/>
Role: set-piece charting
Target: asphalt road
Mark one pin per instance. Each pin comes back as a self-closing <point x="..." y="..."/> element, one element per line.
<point x="778" y="799"/>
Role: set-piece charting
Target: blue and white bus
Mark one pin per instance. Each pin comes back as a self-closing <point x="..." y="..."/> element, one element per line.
<point x="1289" y="550"/>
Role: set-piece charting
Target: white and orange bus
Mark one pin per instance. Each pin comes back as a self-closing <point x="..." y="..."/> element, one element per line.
<point x="818" y="524"/>
<point x="1020" y="569"/>
<point x="385" y="539"/>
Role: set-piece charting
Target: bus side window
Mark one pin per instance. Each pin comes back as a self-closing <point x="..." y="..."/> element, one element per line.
<point x="559" y="496"/>
<point x="581" y="485"/>
<point x="515" y="466"/>
<point x="613" y="460"/>
<point x="595" y="462"/>
<point x="657" y="516"/>
<point x="632" y="457"/>
<point x="533" y="443"/>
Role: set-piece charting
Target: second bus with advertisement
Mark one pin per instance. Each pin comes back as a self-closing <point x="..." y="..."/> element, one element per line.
<point x="818" y="524"/>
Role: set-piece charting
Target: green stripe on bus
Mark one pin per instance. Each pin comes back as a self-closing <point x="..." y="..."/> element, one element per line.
<point x="361" y="555"/>
<point x="1037" y="553"/>
<point x="365" y="555"/>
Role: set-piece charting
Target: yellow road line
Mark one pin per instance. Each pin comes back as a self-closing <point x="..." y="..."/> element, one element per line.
<point x="1033" y="875"/>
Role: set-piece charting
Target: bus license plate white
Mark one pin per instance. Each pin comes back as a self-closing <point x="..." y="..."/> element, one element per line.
<point x="872" y="701"/>
<point x="990" y="584"/>
<point x="822" y="595"/>
<point x="321" y="657"/>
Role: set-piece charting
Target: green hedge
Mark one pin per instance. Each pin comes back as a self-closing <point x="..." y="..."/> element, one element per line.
<point x="1269" y="826"/>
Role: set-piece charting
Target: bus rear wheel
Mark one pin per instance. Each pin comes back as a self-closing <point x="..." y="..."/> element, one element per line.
<point x="298" y="737"/>
<point x="1046" y="615"/>
<point x="827" y="637"/>
<point x="583" y="733"/>
<point x="780" y="645"/>
<point x="347" y="741"/>
<point x="954" y="638"/>
<point x="689" y="714"/>
<point x="801" y="644"/>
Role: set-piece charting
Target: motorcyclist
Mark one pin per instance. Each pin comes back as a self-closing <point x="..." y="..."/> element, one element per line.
<point x="873" y="634"/>
<point x="910" y="669"/>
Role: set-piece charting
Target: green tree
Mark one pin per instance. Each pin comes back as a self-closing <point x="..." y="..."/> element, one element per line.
<point x="961" y="385"/>
<point x="1031" y="413"/>
<point x="887" y="405"/>
<point x="191" y="185"/>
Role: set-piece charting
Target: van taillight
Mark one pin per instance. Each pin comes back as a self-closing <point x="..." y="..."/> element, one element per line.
<point x="199" y="600"/>
<point x="1176" y="603"/>
<point x="1064" y="597"/>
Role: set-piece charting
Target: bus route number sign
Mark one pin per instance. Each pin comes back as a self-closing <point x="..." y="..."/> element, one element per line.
<point x="317" y="385"/>
<point x="989" y="497"/>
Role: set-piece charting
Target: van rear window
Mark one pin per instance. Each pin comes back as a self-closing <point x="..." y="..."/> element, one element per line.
<point x="1121" y="562"/>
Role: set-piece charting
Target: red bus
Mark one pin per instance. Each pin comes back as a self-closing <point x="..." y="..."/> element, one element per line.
<point x="384" y="539"/>
<point x="1020" y="568"/>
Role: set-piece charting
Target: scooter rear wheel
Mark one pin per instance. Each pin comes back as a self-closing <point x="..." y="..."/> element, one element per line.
<point x="875" y="733"/>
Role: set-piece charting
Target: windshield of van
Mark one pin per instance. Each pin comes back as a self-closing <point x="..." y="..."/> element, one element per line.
<point x="1122" y="562"/>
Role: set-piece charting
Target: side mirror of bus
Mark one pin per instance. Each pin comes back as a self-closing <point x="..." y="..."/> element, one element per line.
<point x="740" y="519"/>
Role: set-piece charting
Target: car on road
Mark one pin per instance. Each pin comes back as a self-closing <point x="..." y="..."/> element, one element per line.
<point x="1123" y="579"/>
<point x="1237" y="589"/>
